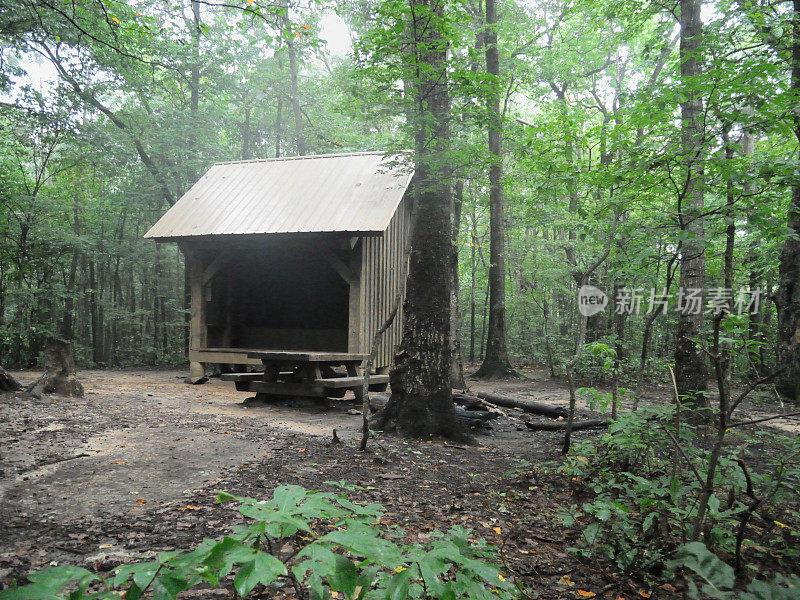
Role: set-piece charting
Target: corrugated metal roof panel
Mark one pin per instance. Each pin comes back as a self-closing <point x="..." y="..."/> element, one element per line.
<point x="355" y="193"/>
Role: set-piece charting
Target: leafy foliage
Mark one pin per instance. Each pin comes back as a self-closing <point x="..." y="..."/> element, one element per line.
<point x="643" y="496"/>
<point x="316" y="542"/>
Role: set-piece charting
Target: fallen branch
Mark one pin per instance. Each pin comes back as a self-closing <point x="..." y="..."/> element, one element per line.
<point x="762" y="420"/>
<point x="562" y="425"/>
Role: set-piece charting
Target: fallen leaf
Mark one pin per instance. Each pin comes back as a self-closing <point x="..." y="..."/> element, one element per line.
<point x="644" y="594"/>
<point x="586" y="594"/>
<point x="140" y="501"/>
<point x="500" y="577"/>
<point x="497" y="530"/>
<point x="104" y="546"/>
<point x="190" y="507"/>
<point x="668" y="587"/>
<point x="302" y="450"/>
<point x="565" y="580"/>
<point x="117" y="462"/>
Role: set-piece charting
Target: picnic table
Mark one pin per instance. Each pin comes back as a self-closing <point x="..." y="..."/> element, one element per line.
<point x="297" y="373"/>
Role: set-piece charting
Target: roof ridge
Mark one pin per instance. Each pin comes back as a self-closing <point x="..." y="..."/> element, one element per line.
<point x="306" y="157"/>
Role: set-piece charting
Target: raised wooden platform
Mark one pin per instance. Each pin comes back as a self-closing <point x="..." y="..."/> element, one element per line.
<point x="225" y="356"/>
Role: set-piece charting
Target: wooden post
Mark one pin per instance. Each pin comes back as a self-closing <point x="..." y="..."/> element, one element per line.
<point x="356" y="320"/>
<point x="197" y="327"/>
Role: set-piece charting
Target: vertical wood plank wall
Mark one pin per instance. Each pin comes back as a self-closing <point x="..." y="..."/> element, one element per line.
<point x="382" y="274"/>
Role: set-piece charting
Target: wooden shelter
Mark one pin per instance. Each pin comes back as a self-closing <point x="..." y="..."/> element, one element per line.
<point x="291" y="254"/>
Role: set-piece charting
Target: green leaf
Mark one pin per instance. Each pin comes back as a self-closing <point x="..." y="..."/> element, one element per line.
<point x="264" y="569"/>
<point x="167" y="586"/>
<point x="345" y="577"/>
<point x="398" y="586"/>
<point x="227" y="553"/>
<point x="718" y="576"/>
<point x="142" y="573"/>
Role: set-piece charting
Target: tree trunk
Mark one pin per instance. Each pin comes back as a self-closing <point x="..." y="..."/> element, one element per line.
<point x="787" y="296"/>
<point x="495" y="363"/>
<point x="247" y="153"/>
<point x="421" y="403"/>
<point x="279" y="108"/>
<point x="474" y="270"/>
<point x="690" y="362"/>
<point x="300" y="139"/>
<point x="456" y="362"/>
<point x="67" y="325"/>
<point x="7" y="382"/>
<point x="94" y="310"/>
<point x="59" y="376"/>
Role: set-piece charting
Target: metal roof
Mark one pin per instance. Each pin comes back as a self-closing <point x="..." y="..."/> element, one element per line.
<point x="353" y="193"/>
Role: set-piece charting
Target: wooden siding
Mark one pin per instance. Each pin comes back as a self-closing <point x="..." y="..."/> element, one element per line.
<point x="382" y="274"/>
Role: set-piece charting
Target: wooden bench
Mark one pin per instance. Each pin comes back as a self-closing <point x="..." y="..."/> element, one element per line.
<point x="352" y="382"/>
<point x="249" y="376"/>
<point x="254" y="382"/>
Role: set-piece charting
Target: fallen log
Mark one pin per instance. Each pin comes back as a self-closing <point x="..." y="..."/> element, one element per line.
<point x="530" y="406"/>
<point x="562" y="425"/>
<point x="7" y="382"/>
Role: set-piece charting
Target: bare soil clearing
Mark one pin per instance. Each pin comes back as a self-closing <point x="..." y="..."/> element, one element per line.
<point x="134" y="467"/>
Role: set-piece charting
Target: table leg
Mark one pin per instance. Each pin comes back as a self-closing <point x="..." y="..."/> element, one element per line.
<point x="271" y="372"/>
<point x="352" y="371"/>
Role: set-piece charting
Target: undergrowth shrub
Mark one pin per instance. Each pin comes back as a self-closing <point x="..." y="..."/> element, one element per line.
<point x="314" y="542"/>
<point x="642" y="480"/>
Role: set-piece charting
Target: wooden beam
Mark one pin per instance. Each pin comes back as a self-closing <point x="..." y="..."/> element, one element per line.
<point x="214" y="266"/>
<point x="339" y="266"/>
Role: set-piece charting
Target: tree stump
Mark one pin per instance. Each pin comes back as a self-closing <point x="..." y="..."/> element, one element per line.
<point x="59" y="376"/>
<point x="7" y="382"/>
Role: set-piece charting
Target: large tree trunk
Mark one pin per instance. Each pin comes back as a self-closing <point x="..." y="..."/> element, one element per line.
<point x="787" y="296"/>
<point x="421" y="403"/>
<point x="495" y="363"/>
<point x="690" y="362"/>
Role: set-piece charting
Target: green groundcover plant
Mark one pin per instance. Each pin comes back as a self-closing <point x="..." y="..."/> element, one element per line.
<point x="313" y="542"/>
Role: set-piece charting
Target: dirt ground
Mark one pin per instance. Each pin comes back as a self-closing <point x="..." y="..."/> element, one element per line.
<point x="134" y="467"/>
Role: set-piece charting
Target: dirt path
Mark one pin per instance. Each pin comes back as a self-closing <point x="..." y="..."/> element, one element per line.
<point x="134" y="468"/>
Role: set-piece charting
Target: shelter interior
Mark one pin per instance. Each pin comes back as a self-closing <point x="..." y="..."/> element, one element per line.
<point x="283" y="296"/>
